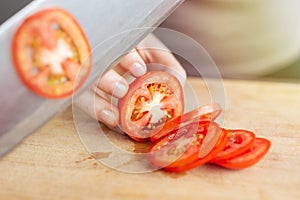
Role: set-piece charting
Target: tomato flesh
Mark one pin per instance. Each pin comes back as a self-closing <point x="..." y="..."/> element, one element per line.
<point x="151" y="101"/>
<point x="154" y="106"/>
<point x="49" y="50"/>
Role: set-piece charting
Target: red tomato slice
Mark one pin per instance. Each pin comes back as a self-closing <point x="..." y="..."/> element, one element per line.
<point x="238" y="141"/>
<point x="248" y="158"/>
<point x="180" y="150"/>
<point x="218" y="146"/>
<point x="49" y="49"/>
<point x="203" y="113"/>
<point x="151" y="100"/>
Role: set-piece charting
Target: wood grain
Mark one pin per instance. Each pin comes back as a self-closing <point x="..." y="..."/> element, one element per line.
<point x="53" y="163"/>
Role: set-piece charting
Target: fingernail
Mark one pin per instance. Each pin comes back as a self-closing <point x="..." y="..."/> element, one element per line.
<point x="120" y="89"/>
<point x="107" y="117"/>
<point x="138" y="70"/>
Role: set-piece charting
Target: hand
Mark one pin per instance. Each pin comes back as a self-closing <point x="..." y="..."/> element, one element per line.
<point x="112" y="83"/>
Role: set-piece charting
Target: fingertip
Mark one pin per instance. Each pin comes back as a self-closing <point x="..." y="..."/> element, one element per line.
<point x="120" y="89"/>
<point x="138" y="69"/>
<point x="113" y="84"/>
<point x="134" y="64"/>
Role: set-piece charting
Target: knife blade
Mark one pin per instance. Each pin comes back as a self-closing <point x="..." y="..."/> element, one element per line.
<point x="23" y="112"/>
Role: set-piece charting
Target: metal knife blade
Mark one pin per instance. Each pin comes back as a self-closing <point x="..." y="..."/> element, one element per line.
<point x="21" y="111"/>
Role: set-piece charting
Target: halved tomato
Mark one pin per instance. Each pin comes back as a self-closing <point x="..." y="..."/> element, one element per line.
<point x="151" y="100"/>
<point x="49" y="50"/>
<point x="207" y="112"/>
<point x="179" y="151"/>
<point x="238" y="142"/>
<point x="254" y="154"/>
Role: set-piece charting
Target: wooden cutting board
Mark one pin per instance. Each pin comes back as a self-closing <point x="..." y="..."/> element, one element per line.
<point x="54" y="164"/>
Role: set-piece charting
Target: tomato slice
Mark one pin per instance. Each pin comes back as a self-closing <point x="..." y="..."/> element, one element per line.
<point x="50" y="51"/>
<point x="203" y="113"/>
<point x="151" y="100"/>
<point x="218" y="146"/>
<point x="179" y="151"/>
<point x="238" y="142"/>
<point x="248" y="158"/>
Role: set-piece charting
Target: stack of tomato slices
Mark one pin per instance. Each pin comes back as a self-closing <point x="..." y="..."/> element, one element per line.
<point x="184" y="141"/>
<point x="199" y="141"/>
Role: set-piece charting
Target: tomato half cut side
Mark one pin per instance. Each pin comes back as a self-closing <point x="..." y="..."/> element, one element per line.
<point x="49" y="49"/>
<point x="248" y="158"/>
<point x="238" y="141"/>
<point x="177" y="151"/>
<point x="151" y="100"/>
<point x="207" y="112"/>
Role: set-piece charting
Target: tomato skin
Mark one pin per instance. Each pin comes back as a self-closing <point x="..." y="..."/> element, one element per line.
<point x="238" y="142"/>
<point x="203" y="113"/>
<point x="38" y="28"/>
<point x="141" y="89"/>
<point x="248" y="158"/>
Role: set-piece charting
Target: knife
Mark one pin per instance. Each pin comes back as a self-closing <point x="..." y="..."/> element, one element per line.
<point x="23" y="112"/>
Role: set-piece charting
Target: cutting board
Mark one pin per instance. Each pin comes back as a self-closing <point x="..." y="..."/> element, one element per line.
<point x="54" y="163"/>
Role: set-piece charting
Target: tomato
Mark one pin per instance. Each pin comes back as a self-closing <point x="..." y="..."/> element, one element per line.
<point x="49" y="49"/>
<point x="180" y="150"/>
<point x="254" y="154"/>
<point x="203" y="113"/>
<point x="238" y="142"/>
<point x="153" y="107"/>
<point x="151" y="100"/>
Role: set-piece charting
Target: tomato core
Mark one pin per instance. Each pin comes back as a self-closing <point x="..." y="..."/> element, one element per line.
<point x="53" y="56"/>
<point x="153" y="106"/>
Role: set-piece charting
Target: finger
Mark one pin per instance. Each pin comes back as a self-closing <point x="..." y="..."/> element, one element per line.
<point x="113" y="84"/>
<point x="133" y="63"/>
<point x="101" y="93"/>
<point x="98" y="108"/>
